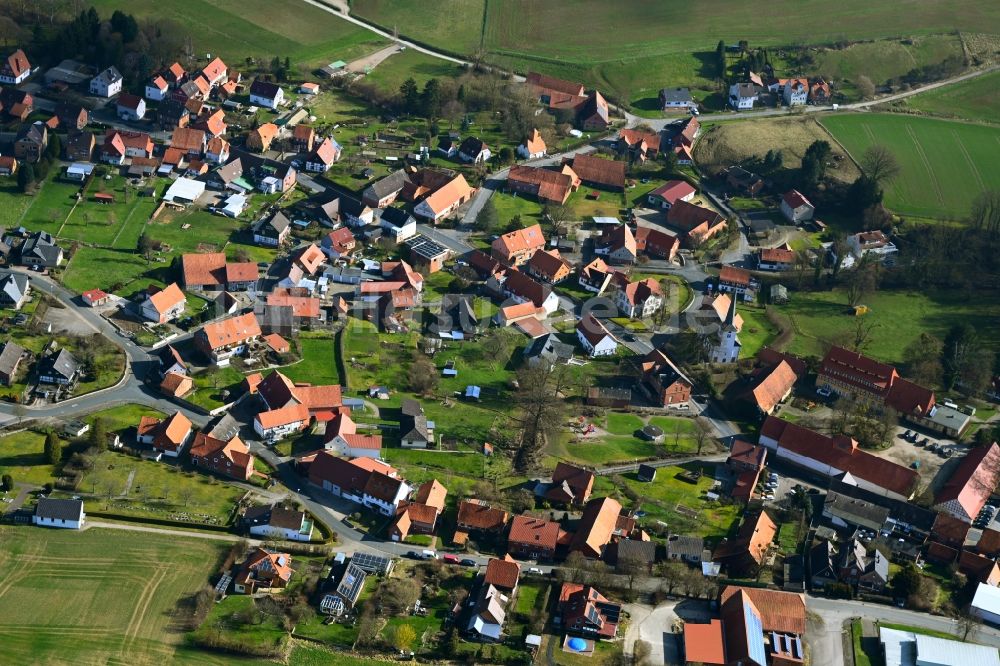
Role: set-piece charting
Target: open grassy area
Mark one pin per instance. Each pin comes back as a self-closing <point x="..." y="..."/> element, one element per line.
<point x="757" y="330"/>
<point x="209" y="387"/>
<point x="22" y="456"/>
<point x="723" y="144"/>
<point x="681" y="504"/>
<point x="945" y="164"/>
<point x="886" y="59"/>
<point x="667" y="44"/>
<point x="318" y="365"/>
<point x="135" y="487"/>
<point x="899" y="317"/>
<point x="117" y="594"/>
<point x="237" y="29"/>
<point x="975" y="99"/>
<point x="390" y="73"/>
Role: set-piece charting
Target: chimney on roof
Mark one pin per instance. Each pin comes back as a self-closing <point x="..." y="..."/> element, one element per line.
<point x="845" y="443"/>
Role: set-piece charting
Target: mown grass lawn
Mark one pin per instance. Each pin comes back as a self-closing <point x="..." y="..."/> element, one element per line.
<point x="222" y="619"/>
<point x="318" y="365"/>
<point x="208" y="387"/>
<point x="104" y="268"/>
<point x="22" y="456"/>
<point x="123" y="417"/>
<point x="757" y="330"/>
<point x="899" y="318"/>
<point x="682" y="505"/>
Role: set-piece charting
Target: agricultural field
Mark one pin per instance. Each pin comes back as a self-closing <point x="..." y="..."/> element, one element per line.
<point x="238" y="29"/>
<point x="975" y="99"/>
<point x="944" y="164"/>
<point x="117" y="593"/>
<point x="390" y="73"/>
<point x="723" y="144"/>
<point x="667" y="44"/>
<point x="899" y="318"/>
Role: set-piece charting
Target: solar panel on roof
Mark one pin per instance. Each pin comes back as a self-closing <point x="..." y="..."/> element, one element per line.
<point x="371" y="563"/>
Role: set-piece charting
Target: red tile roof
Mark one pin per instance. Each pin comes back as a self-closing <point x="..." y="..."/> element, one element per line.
<point x="735" y="276"/>
<point x="534" y="533"/>
<point x="476" y="514"/>
<point x="519" y="240"/>
<point x="777" y="255"/>
<point x="774" y="386"/>
<point x="231" y="331"/>
<point x="275" y="418"/>
<point x="841" y="453"/>
<point x="673" y="191"/>
<point x="596" y="526"/>
<point x="973" y="481"/>
<point x="779" y="611"/>
<point x="688" y="216"/>
<point x="794" y="199"/>
<point x="277" y="343"/>
<point x="302" y="306"/>
<point x="548" y="264"/>
<point x="593" y="330"/>
<point x="597" y="170"/>
<point x="703" y="643"/>
<point x="166" y="298"/>
<point x="502" y="573"/>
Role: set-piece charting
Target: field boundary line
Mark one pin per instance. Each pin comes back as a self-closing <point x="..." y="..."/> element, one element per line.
<point x="145" y="599"/>
<point x="968" y="158"/>
<point x="927" y="164"/>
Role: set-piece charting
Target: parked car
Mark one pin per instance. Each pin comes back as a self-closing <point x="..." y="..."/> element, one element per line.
<point x="824" y="391"/>
<point x="450" y="559"/>
<point x="908" y="435"/>
<point x="467" y="562"/>
<point x="535" y="570"/>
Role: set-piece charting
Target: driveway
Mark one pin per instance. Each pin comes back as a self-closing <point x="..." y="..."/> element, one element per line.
<point x="653" y="625"/>
<point x="370" y="62"/>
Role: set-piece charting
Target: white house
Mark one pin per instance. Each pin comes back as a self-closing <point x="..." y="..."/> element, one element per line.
<point x="796" y="92"/>
<point x="640" y="299"/>
<point x="795" y="207"/>
<point x="275" y="424"/>
<point x="157" y="89"/>
<point x="276" y="522"/>
<point x="595" y="338"/>
<point x="165" y="305"/>
<point x="131" y="107"/>
<point x="742" y="96"/>
<point x="474" y="150"/>
<point x="398" y="224"/>
<point x="15" y="68"/>
<point x="874" y="242"/>
<point x="107" y="84"/>
<point x="342" y="438"/>
<point x="323" y="156"/>
<point x="64" y="513"/>
<point x="532" y="147"/>
<point x="266" y="94"/>
<point x="726" y="348"/>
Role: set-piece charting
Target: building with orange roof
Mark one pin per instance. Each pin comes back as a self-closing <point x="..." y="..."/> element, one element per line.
<point x="176" y="384"/>
<point x="309" y="259"/>
<point x="600" y="172"/>
<point x="146" y="429"/>
<point x="517" y="247"/>
<point x="697" y="222"/>
<point x="217" y="150"/>
<point x="638" y="300"/>
<point x="210" y="271"/>
<point x="770" y="385"/>
<point x="548" y="266"/>
<point x="342" y="437"/>
<point x="275" y="424"/>
<point x="278" y="344"/>
<point x="221" y="340"/>
<point x="597" y="525"/>
<point x="532" y="147"/>
<point x="15" y="68"/>
<point x="477" y="515"/>
<point x="251" y="382"/>
<point x="215" y="72"/>
<point x="420" y="514"/>
<point x="618" y="244"/>
<point x="172" y="434"/>
<point x="598" y="276"/>
<point x="749" y="548"/>
<point x="737" y="281"/>
<point x="533" y="538"/>
<point x="570" y="485"/>
<point x="971" y="484"/>
<point x="703" y="643"/>
<point x="445" y="200"/>
<point x="638" y="145"/>
<point x="323" y="156"/>
<point x="260" y="139"/>
<point x="547" y="185"/>
<point x="212" y="123"/>
<point x="229" y="458"/>
<point x="584" y="611"/>
<point x="783" y="612"/>
<point x="191" y="141"/>
<point x="305" y="309"/>
<point x="164" y="305"/>
<point x="502" y="573"/>
<point x="277" y="391"/>
<point x="263" y="571"/>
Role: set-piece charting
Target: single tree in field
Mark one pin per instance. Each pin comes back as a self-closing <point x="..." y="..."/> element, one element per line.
<point x="53" y="449"/>
<point x="879" y="164"/>
<point x="98" y="438"/>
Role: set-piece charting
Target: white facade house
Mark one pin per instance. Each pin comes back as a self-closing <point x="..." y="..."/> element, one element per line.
<point x="399" y="230"/>
<point x="387" y="506"/>
<point x="796" y="207"/>
<point x="131" y="107"/>
<point x="986" y="604"/>
<point x="639" y="309"/>
<point x="107" y="84"/>
<point x="275" y="522"/>
<point x="742" y="96"/>
<point x="276" y="424"/>
<point x="266" y="94"/>
<point x="595" y="338"/>
<point x="62" y="513"/>
<point x="796" y="92"/>
<point x="871" y="242"/>
<point x="157" y="89"/>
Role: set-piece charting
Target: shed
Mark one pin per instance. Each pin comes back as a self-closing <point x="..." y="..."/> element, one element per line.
<point x="472" y="392"/>
<point x="611" y="221"/>
<point x="79" y="170"/>
<point x="104" y="197"/>
<point x="652" y="433"/>
<point x="450" y="370"/>
<point x="779" y="293"/>
<point x="646" y="473"/>
<point x="184" y="191"/>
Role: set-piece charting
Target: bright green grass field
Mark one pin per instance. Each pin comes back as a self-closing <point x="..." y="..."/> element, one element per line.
<point x="99" y="596"/>
<point x="318" y="365"/>
<point x="899" y="317"/>
<point x="391" y="73"/>
<point x="633" y="48"/>
<point x="236" y="29"/>
<point x="944" y="164"/>
<point x="975" y="99"/>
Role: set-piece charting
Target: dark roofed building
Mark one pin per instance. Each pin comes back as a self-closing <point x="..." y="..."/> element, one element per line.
<point x="58" y="368"/>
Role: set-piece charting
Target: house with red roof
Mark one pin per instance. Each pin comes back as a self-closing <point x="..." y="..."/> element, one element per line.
<point x="323" y="156"/>
<point x="176" y="384"/>
<point x="533" y="538"/>
<point x="364" y="481"/>
<point x="638" y="145"/>
<point x="598" y="276"/>
<point x="598" y="525"/>
<point x="737" y="281"/>
<point x="94" y="297"/>
<point x="277" y="391"/>
<point x="339" y="243"/>
<point x="748" y="549"/>
<point x="664" y="381"/>
<point x="15" y="68"/>
<point x="342" y="437"/>
<point x="517" y="247"/>
<point x="131" y="107"/>
<point x="215" y="72"/>
<point x="275" y="424"/>
<point x="532" y="147"/>
<point x="878" y="384"/>
<point x="263" y="571"/>
<point x="775" y="259"/>
<point x="475" y="515"/>
<point x="168" y="436"/>
<point x="656" y="244"/>
<point x="570" y="485"/>
<point x="586" y="612"/>
<point x="210" y="272"/>
<point x="971" y="484"/>
<point x="419" y="515"/>
<point x="696" y="222"/>
<point x="548" y="266"/>
<point x="796" y="207"/>
<point x="223" y="339"/>
<point x="230" y="458"/>
<point x="769" y="386"/>
<point x="157" y="88"/>
<point x="837" y="457"/>
<point x="639" y="300"/>
<point x="547" y="185"/>
<point x="618" y="244"/>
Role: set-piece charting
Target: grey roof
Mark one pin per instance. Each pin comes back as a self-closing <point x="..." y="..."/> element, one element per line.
<point x="385" y="186"/>
<point x="675" y="95"/>
<point x="744" y="90"/>
<point x="685" y="546"/>
<point x="35" y="132"/>
<point x="759" y="225"/>
<point x="276" y="224"/>
<point x="14" y="285"/>
<point x="352" y="583"/>
<point x="59" y="509"/>
<point x="60" y="363"/>
<point x="352" y="207"/>
<point x="633" y="549"/>
<point x="855" y="511"/>
<point x="549" y="348"/>
<point x="821" y="560"/>
<point x="10" y="354"/>
<point x="411" y="408"/>
<point x="109" y="76"/>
